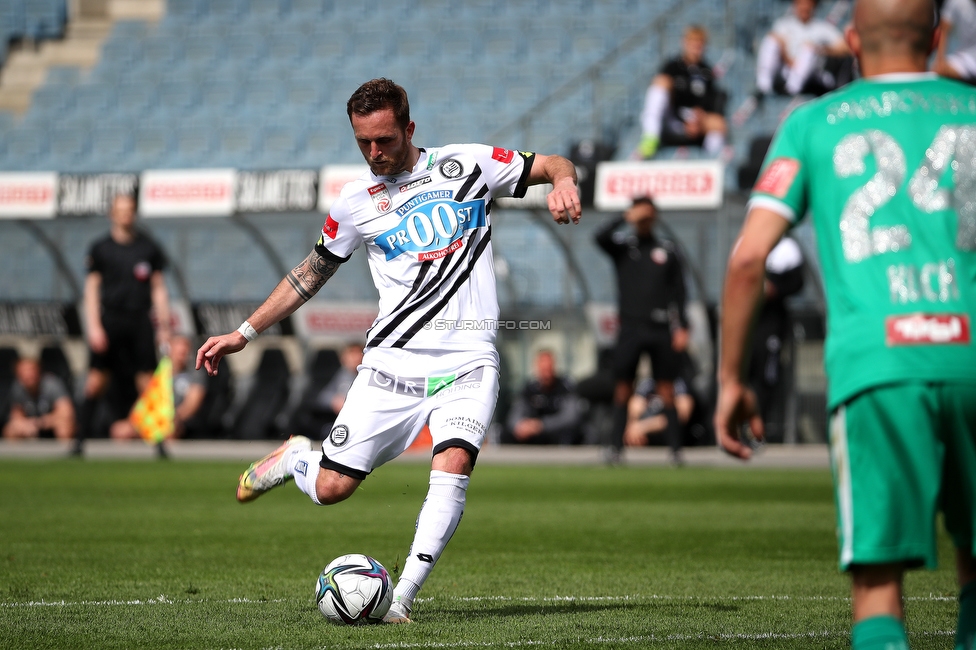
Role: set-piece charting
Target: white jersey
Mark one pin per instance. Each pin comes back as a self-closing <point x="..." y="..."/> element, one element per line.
<point x="962" y="15"/>
<point x="796" y="33"/>
<point x="428" y="236"/>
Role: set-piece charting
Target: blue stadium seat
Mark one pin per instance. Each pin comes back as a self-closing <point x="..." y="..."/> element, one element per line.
<point x="194" y="145"/>
<point x="111" y="147"/>
<point x="186" y="9"/>
<point x="311" y="9"/>
<point x="151" y="146"/>
<point x="235" y="146"/>
<point x="25" y="147"/>
<point x="287" y="63"/>
<point x="70" y="144"/>
<point x="45" y="18"/>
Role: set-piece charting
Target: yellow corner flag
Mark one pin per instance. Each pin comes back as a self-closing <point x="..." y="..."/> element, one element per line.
<point x="153" y="415"/>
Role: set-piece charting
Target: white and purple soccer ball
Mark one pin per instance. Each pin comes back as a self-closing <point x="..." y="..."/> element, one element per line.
<point x="353" y="589"/>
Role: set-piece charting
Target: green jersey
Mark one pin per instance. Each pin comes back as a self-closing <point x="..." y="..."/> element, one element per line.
<point x="887" y="168"/>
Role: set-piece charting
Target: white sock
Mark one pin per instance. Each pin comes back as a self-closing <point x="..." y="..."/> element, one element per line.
<point x="714" y="141"/>
<point x="655" y="106"/>
<point x="304" y="466"/>
<point x="767" y="60"/>
<point x="802" y="68"/>
<point x="436" y="523"/>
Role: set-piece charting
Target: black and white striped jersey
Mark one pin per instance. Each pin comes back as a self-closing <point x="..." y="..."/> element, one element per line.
<point x="428" y="236"/>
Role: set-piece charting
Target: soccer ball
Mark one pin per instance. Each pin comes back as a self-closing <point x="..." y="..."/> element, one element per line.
<point x="354" y="588"/>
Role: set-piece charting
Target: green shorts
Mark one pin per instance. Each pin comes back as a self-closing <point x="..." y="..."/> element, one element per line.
<point x="900" y="453"/>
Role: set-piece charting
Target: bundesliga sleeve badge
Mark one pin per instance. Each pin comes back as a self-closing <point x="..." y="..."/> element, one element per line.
<point x="778" y="177"/>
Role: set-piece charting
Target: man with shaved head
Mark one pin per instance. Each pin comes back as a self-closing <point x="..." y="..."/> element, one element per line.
<point x="886" y="167"/>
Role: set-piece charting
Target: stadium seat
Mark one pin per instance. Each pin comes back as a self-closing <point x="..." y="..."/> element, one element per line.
<point x="309" y="9"/>
<point x="186" y="9"/>
<point x="265" y="400"/>
<point x="194" y="145"/>
<point x="45" y="18"/>
<point x="54" y="361"/>
<point x="308" y="419"/>
<point x="8" y="357"/>
<point x="151" y="146"/>
<point x="208" y="422"/>
<point x="69" y="145"/>
<point x="25" y="146"/>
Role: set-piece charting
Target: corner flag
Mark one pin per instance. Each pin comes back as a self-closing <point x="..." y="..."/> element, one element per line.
<point x="153" y="415"/>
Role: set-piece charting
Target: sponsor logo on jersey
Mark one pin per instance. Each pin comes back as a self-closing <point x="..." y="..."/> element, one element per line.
<point x="301" y="467"/>
<point x="425" y="557"/>
<point x="927" y="329"/>
<point x="431" y="159"/>
<point x="381" y="198"/>
<point x="425" y="386"/>
<point x="503" y="155"/>
<point x="778" y="177"/>
<point x="432" y="224"/>
<point x="659" y="255"/>
<point x="331" y="227"/>
<point x="142" y="271"/>
<point x="414" y="184"/>
<point x="339" y="435"/>
<point x="451" y="168"/>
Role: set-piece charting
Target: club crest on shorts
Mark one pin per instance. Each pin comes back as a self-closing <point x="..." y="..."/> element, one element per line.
<point x="339" y="435"/>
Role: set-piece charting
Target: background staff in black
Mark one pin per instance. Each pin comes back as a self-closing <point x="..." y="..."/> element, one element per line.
<point x="651" y="298"/>
<point x="123" y="288"/>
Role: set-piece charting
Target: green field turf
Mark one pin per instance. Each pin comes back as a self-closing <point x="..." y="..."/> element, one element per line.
<point x="130" y="554"/>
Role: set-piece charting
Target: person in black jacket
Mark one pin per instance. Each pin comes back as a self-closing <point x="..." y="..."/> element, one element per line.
<point x="124" y="286"/>
<point x="773" y="331"/>
<point x="651" y="295"/>
<point x="546" y="412"/>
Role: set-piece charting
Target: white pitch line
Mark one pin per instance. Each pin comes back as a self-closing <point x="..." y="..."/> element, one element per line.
<point x="166" y="600"/>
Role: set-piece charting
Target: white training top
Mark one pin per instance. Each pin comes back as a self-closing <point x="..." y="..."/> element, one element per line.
<point x="962" y="15"/>
<point x="428" y="236"/>
<point x="796" y="34"/>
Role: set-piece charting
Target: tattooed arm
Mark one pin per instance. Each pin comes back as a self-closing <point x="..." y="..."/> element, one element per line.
<point x="297" y="288"/>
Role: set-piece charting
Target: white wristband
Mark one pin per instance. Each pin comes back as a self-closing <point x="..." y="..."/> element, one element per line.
<point x="247" y="331"/>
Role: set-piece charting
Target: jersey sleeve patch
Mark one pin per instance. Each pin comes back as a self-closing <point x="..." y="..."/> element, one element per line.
<point x="503" y="155"/>
<point x="331" y="227"/>
<point x="778" y="177"/>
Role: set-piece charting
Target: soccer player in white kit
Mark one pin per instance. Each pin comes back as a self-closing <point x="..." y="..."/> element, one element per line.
<point x="424" y="216"/>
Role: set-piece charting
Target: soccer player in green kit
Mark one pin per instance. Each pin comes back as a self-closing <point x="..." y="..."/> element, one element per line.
<point x="886" y="167"/>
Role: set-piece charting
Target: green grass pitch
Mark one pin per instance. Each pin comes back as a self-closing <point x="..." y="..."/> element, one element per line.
<point x="135" y="554"/>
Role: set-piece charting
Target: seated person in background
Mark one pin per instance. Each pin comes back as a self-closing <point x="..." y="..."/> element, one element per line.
<point x="646" y="416"/>
<point x="40" y="406"/>
<point x="189" y="384"/>
<point x="802" y="54"/>
<point x="683" y="105"/>
<point x="189" y="389"/>
<point x="329" y="402"/>
<point x="772" y="331"/>
<point x="959" y="17"/>
<point x="546" y="412"/>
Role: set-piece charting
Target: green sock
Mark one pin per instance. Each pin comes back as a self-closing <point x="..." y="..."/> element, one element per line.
<point x="879" y="633"/>
<point x="966" y="629"/>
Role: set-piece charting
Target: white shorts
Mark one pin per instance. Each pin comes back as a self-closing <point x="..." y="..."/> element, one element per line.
<point x="383" y="414"/>
<point x="963" y="62"/>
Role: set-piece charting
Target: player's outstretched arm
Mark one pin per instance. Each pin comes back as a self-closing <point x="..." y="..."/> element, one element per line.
<point x="740" y="297"/>
<point x="292" y="292"/>
<point x="563" y="200"/>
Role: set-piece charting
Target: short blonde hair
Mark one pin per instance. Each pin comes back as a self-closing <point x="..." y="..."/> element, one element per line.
<point x="697" y="30"/>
